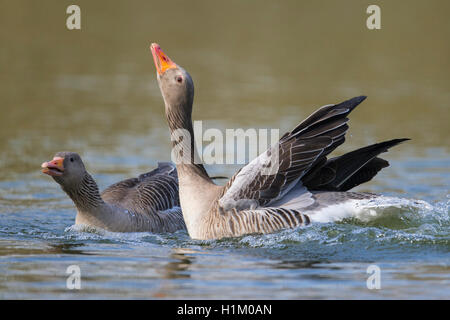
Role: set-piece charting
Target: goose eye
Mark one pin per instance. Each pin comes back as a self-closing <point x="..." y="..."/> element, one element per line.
<point x="179" y="79"/>
<point x="71" y="159"/>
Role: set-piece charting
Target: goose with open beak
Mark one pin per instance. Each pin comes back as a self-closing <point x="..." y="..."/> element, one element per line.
<point x="302" y="184"/>
<point x="147" y="203"/>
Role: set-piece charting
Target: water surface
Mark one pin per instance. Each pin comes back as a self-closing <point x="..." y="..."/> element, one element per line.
<point x="255" y="64"/>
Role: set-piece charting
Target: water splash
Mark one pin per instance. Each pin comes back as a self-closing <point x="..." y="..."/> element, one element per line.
<point x="378" y="225"/>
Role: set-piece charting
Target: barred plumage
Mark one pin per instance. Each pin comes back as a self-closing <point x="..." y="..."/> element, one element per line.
<point x="149" y="202"/>
<point x="255" y="200"/>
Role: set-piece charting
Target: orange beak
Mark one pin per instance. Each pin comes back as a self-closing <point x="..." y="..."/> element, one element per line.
<point x="162" y="61"/>
<point x="54" y="167"/>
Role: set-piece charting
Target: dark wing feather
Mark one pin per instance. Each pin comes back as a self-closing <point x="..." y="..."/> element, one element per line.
<point x="349" y="170"/>
<point x="117" y="192"/>
<point x="365" y="174"/>
<point x="298" y="151"/>
<point x="156" y="190"/>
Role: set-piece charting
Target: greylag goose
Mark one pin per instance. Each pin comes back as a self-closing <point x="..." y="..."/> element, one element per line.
<point x="147" y="203"/>
<point x="303" y="182"/>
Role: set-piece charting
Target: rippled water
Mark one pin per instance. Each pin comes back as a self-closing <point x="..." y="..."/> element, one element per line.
<point x="410" y="242"/>
<point x="268" y="66"/>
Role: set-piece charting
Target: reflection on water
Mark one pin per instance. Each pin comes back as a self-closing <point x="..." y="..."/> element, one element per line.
<point x="264" y="65"/>
<point x="177" y="269"/>
<point x="66" y="248"/>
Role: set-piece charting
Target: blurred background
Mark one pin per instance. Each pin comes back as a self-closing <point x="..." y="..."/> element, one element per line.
<point x="254" y="64"/>
<point x="262" y="64"/>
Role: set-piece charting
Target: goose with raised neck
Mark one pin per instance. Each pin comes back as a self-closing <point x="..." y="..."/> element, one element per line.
<point x="302" y="180"/>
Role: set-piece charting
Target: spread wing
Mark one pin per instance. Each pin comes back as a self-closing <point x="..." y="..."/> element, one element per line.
<point x="271" y="175"/>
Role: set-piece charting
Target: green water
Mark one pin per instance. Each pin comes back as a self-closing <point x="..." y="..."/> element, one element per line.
<point x="255" y="64"/>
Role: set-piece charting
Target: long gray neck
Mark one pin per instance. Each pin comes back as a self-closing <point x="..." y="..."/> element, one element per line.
<point x="182" y="132"/>
<point x="196" y="189"/>
<point x="85" y="195"/>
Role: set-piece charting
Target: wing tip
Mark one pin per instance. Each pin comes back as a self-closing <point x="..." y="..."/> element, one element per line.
<point x="395" y="142"/>
<point x="353" y="102"/>
<point x="359" y="99"/>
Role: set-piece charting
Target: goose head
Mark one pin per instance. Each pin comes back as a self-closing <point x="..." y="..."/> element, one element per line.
<point x="66" y="168"/>
<point x="175" y="83"/>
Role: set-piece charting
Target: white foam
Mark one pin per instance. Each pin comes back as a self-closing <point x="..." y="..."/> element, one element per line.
<point x="365" y="210"/>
